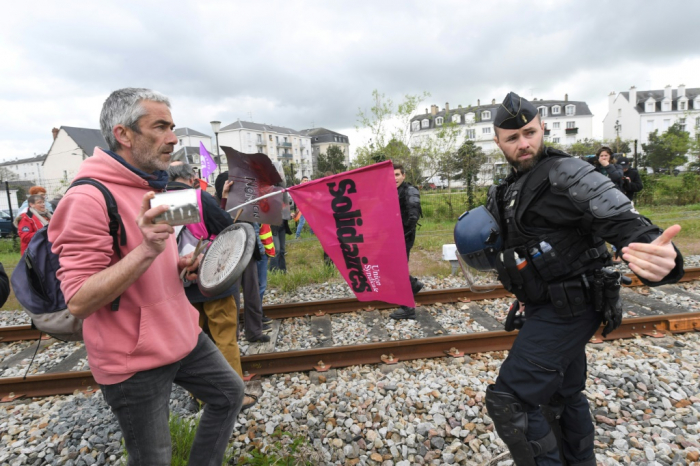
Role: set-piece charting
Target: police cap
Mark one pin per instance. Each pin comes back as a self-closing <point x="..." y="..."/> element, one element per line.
<point x="514" y="113"/>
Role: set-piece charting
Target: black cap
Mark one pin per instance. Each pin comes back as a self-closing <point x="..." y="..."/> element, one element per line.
<point x="514" y="113"/>
<point x="623" y="162"/>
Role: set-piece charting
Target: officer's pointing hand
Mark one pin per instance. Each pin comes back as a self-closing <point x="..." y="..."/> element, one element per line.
<point x="655" y="260"/>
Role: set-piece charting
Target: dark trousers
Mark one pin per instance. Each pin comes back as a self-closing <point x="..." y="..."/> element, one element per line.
<point x="141" y="405"/>
<point x="279" y="236"/>
<point x="410" y="239"/>
<point x="548" y="361"/>
<point x="252" y="307"/>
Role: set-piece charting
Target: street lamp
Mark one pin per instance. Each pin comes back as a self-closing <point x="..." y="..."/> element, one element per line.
<point x="216" y="126"/>
<point x="618" y="127"/>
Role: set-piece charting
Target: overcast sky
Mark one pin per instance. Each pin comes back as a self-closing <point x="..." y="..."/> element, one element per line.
<point x="309" y="63"/>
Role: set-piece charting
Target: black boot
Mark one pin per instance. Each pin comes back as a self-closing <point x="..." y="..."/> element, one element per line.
<point x="404" y="312"/>
<point x="416" y="286"/>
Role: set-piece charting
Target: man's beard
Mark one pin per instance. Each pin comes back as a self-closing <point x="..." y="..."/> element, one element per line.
<point x="525" y="166"/>
<point x="146" y="160"/>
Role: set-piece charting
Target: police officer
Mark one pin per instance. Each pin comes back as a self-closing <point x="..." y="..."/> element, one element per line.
<point x="409" y="204"/>
<point x="544" y="230"/>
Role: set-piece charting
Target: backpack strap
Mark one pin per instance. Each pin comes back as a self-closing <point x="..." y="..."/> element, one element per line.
<point x="116" y="226"/>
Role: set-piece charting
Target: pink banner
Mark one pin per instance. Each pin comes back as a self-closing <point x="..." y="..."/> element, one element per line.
<point x="356" y="217"/>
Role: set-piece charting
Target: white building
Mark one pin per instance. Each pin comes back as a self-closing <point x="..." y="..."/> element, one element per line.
<point x="69" y="148"/>
<point x="29" y="169"/>
<point x="566" y="122"/>
<point x="280" y="144"/>
<point x="634" y="114"/>
<point x="187" y="137"/>
<point x="322" y="139"/>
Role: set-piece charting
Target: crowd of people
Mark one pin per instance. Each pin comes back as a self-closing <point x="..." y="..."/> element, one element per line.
<point x="146" y="324"/>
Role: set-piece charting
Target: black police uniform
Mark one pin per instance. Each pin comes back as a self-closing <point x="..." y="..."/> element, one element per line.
<point x="555" y="219"/>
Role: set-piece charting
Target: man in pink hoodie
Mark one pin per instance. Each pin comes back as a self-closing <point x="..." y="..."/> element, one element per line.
<point x="153" y="339"/>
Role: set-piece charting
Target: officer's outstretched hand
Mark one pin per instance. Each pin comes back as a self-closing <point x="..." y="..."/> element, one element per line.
<point x="655" y="260"/>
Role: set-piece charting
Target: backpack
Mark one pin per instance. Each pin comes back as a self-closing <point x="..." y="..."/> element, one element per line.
<point x="36" y="286"/>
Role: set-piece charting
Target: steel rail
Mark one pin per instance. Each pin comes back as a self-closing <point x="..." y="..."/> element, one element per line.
<point x="388" y="352"/>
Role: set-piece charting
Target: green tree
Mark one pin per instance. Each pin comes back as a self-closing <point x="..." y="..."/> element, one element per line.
<point x="289" y="177"/>
<point x="668" y="149"/>
<point x="466" y="164"/>
<point x="332" y="161"/>
<point x="585" y="147"/>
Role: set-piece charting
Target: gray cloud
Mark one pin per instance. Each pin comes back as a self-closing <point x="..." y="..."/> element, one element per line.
<point x="294" y="63"/>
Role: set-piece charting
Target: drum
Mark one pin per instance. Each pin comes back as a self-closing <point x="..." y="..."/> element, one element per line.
<point x="226" y="259"/>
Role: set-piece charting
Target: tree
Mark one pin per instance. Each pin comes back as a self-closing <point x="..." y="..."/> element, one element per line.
<point x="465" y="164"/>
<point x="668" y="149"/>
<point x="332" y="161"/>
<point x="585" y="147"/>
<point x="289" y="177"/>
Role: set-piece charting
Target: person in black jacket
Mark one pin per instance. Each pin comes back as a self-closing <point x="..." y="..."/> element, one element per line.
<point x="605" y="163"/>
<point x="4" y="286"/>
<point x="631" y="181"/>
<point x="544" y="230"/>
<point x="409" y="203"/>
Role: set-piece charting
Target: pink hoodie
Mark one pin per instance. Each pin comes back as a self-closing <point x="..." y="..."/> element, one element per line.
<point x="155" y="324"/>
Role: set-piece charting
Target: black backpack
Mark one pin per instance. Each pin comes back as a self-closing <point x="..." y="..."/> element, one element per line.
<point x="36" y="286"/>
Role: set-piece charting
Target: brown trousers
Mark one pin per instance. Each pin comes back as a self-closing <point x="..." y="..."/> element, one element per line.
<point x="221" y="318"/>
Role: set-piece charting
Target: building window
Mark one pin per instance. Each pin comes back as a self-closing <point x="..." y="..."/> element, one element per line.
<point x="681" y="123"/>
<point x="471" y="134"/>
<point x="681" y="106"/>
<point x="650" y="125"/>
<point x="469" y="117"/>
<point x="667" y="124"/>
<point x="571" y="124"/>
<point x="555" y="140"/>
<point x="571" y="110"/>
<point x="651" y="107"/>
<point x="180" y="141"/>
<point x="542" y="111"/>
<point x="485" y="115"/>
<point x="438" y="121"/>
<point x="556" y="125"/>
<point x="270" y="137"/>
<point x="697" y="104"/>
<point x="697" y="122"/>
<point x="415" y="126"/>
<point x="486" y="130"/>
<point x="425" y="123"/>
<point x="556" y="110"/>
<point x="619" y="113"/>
<point x="666" y="106"/>
<point x="455" y="118"/>
<point x="259" y="138"/>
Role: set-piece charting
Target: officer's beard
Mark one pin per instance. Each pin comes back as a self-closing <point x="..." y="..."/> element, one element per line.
<point x="524" y="166"/>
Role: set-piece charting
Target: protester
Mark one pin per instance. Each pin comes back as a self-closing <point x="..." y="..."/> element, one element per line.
<point x="409" y="203"/>
<point x="541" y="230"/>
<point x="302" y="220"/>
<point x="266" y="242"/>
<point x="255" y="322"/>
<point x="141" y="333"/>
<point x="604" y="163"/>
<point x="218" y="315"/>
<point x="25" y="205"/>
<point x="4" y="286"/>
<point x="631" y="181"/>
<point x="280" y="232"/>
<point x="36" y="217"/>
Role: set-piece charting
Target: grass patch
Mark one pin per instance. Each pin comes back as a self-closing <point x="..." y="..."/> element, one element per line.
<point x="285" y="451"/>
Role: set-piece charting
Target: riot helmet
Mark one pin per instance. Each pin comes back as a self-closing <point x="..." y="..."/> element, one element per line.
<point x="478" y="239"/>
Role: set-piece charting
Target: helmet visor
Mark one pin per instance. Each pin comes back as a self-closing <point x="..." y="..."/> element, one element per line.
<point x="478" y="281"/>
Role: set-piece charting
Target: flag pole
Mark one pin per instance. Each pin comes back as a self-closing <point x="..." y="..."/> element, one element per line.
<point x="256" y="200"/>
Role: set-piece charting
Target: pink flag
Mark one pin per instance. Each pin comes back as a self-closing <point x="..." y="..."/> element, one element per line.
<point x="356" y="217"/>
<point x="208" y="164"/>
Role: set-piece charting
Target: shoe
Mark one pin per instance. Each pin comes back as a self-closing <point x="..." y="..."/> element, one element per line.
<point x="417" y="286"/>
<point x="254" y="399"/>
<point x="266" y="320"/>
<point x="404" y="312"/>
<point x="260" y="339"/>
<point x="266" y="328"/>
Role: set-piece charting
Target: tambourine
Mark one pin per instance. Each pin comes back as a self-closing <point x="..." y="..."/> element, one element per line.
<point x="226" y="259"/>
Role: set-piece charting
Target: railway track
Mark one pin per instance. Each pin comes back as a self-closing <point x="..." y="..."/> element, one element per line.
<point x="651" y="317"/>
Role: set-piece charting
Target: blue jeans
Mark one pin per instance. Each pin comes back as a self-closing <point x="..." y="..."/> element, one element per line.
<point x="302" y="221"/>
<point x="141" y="406"/>
<point x="262" y="275"/>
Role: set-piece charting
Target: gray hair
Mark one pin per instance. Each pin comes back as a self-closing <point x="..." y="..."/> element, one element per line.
<point x="180" y="170"/>
<point x="123" y="107"/>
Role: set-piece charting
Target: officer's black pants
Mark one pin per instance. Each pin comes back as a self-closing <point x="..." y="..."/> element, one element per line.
<point x="549" y="358"/>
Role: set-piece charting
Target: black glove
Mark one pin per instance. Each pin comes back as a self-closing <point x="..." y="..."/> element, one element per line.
<point x="612" y="305"/>
<point x="514" y="320"/>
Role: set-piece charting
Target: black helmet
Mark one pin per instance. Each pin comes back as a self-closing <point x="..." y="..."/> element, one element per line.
<point x="478" y="238"/>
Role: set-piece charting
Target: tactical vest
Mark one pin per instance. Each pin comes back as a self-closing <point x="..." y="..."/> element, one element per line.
<point x="551" y="265"/>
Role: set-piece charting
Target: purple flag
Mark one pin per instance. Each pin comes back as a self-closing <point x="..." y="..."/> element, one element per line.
<point x="208" y="165"/>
